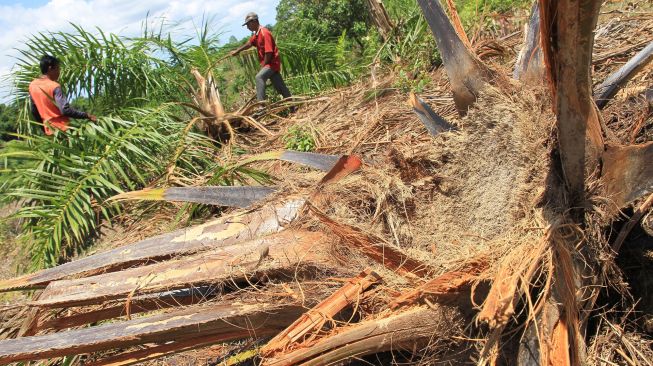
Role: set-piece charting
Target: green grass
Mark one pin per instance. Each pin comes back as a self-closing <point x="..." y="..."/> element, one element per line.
<point x="471" y="12"/>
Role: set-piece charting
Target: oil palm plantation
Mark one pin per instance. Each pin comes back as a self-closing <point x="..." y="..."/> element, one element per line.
<point x="61" y="182"/>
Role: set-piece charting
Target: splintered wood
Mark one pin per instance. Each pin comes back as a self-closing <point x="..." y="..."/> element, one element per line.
<point x="444" y="284"/>
<point x="224" y="322"/>
<point x="513" y="277"/>
<point x="224" y="231"/>
<point x="315" y="318"/>
<point x="285" y="250"/>
<point x="375" y="248"/>
<point x="399" y="331"/>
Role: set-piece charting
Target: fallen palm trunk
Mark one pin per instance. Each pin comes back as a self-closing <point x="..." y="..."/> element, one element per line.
<point x="405" y="330"/>
<point x="315" y="318"/>
<point x="222" y="322"/>
<point x="220" y="232"/>
<point x="375" y="248"/>
<point x="431" y="120"/>
<point x="136" y="305"/>
<point x="285" y="250"/>
<point x="220" y="196"/>
<point x="609" y="88"/>
<point x="444" y="284"/>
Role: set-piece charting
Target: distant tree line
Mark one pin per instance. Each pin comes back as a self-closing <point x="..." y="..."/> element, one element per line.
<point x="8" y="121"/>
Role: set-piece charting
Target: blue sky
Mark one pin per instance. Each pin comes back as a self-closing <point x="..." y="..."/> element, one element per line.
<point x="19" y="19"/>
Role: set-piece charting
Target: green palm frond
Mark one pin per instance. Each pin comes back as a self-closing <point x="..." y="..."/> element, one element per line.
<point x="72" y="174"/>
<point x="110" y="71"/>
<point x="93" y="65"/>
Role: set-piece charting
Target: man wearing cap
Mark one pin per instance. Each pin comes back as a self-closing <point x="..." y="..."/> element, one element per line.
<point x="268" y="55"/>
<point x="48" y="104"/>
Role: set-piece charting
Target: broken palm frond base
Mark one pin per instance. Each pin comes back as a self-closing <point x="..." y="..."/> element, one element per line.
<point x="433" y="238"/>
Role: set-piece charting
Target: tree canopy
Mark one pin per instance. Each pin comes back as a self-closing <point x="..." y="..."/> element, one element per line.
<point x="322" y="19"/>
<point x="8" y="121"/>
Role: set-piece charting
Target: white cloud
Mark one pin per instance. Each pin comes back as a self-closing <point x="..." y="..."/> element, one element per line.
<point x="4" y="83"/>
<point x="124" y="17"/>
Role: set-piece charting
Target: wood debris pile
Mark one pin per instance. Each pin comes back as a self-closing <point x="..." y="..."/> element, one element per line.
<point x="480" y="239"/>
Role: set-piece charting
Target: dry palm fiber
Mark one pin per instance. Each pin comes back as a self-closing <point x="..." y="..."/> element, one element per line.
<point x="461" y="192"/>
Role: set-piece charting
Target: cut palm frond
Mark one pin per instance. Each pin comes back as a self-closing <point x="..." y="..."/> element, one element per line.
<point x="609" y="88"/>
<point x="219" y="196"/>
<point x="346" y="165"/>
<point x="431" y="120"/>
<point x="322" y="162"/>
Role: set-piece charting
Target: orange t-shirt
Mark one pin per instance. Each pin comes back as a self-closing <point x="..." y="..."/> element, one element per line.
<point x="42" y="92"/>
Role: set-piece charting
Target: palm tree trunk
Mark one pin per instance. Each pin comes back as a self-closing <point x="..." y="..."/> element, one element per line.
<point x="380" y="18"/>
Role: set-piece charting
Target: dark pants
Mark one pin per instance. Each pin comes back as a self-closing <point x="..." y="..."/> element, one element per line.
<point x="263" y="76"/>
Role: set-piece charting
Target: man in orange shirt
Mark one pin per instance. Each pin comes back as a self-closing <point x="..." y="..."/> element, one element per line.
<point x="49" y="105"/>
<point x="268" y="55"/>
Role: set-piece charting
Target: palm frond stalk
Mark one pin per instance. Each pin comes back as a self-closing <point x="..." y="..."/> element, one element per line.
<point x="211" y="195"/>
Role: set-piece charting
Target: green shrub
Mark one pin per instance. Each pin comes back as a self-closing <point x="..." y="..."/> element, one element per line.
<point x="414" y="81"/>
<point x="299" y="139"/>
